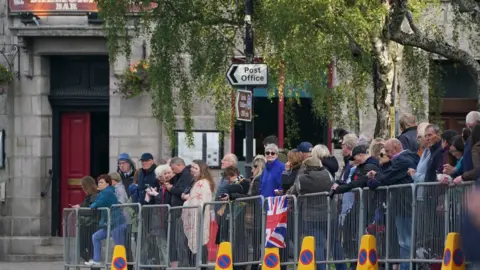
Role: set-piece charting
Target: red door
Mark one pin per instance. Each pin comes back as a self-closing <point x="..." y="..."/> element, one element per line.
<point x="75" y="156"/>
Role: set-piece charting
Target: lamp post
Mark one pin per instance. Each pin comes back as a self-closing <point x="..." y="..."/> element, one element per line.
<point x="249" y="59"/>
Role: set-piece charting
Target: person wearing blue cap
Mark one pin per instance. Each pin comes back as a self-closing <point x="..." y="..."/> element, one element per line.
<point x="306" y="149"/>
<point x="126" y="169"/>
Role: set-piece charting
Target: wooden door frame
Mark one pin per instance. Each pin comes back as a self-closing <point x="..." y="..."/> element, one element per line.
<point x="61" y="104"/>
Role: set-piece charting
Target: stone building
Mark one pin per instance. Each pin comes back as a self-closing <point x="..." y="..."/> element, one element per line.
<point x="63" y="120"/>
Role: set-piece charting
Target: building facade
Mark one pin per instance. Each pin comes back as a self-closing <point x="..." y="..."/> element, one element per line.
<point x="63" y="119"/>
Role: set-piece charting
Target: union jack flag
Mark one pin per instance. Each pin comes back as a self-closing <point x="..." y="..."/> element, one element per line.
<point x="276" y="221"/>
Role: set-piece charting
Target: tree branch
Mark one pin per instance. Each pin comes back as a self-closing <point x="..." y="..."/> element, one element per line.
<point x="412" y="24"/>
<point x="441" y="48"/>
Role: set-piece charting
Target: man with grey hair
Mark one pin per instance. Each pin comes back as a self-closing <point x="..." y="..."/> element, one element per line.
<point x="472" y="119"/>
<point x="271" y="182"/>
<point x="408" y="127"/>
<point x="433" y="140"/>
<point x="349" y="141"/>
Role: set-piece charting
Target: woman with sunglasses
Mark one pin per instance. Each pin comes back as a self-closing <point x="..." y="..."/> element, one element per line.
<point x="271" y="181"/>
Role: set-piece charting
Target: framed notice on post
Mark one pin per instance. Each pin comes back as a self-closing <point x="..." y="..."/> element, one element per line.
<point x="2" y="149"/>
<point x="207" y="146"/>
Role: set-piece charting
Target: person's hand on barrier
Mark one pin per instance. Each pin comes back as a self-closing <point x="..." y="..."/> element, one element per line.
<point x="458" y="180"/>
<point x="76" y="206"/>
<point x="224" y="197"/>
<point x="371" y="174"/>
<point x="448" y="169"/>
<point x="334" y="186"/>
<point x="444" y="179"/>
<point x="411" y="172"/>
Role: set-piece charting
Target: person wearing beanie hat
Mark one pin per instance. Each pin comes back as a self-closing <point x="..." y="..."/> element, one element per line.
<point x="126" y="170"/>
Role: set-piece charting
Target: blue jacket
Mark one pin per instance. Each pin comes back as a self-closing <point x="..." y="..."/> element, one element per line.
<point x="107" y="198"/>
<point x="271" y="178"/>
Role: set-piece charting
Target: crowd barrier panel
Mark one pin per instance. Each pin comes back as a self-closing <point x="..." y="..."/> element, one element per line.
<point x="160" y="236"/>
<point x="221" y="211"/>
<point x="79" y="225"/>
<point x="156" y="233"/>
<point x="248" y="230"/>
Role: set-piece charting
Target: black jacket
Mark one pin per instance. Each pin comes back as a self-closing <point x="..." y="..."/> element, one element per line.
<point x="408" y="138"/>
<point x="331" y="164"/>
<point x="238" y="190"/>
<point x="434" y="163"/>
<point x="360" y="178"/>
<point x="144" y="178"/>
<point x="396" y="174"/>
<point x="180" y="182"/>
<point x="288" y="178"/>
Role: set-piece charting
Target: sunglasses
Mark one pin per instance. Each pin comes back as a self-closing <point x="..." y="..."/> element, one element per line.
<point x="270" y="153"/>
<point x="383" y="155"/>
<point x="255" y="166"/>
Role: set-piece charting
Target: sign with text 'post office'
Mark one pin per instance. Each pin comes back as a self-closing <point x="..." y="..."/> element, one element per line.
<point x="243" y="105"/>
<point x="248" y="74"/>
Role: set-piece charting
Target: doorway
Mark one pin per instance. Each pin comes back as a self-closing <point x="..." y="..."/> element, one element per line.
<point x="309" y="127"/>
<point x="79" y="98"/>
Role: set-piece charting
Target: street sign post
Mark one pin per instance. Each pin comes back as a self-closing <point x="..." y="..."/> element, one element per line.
<point x="243" y="105"/>
<point x="248" y="75"/>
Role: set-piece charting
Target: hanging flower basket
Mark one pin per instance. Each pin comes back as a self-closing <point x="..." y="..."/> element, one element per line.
<point x="134" y="80"/>
<point x="6" y="76"/>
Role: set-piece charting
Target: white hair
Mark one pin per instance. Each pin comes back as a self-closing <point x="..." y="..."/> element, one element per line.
<point x="320" y="151"/>
<point x="161" y="169"/>
<point x="473" y="117"/>
<point x="350" y="140"/>
<point x="272" y="147"/>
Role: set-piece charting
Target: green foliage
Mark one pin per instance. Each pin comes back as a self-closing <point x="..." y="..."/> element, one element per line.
<point x="6" y="76"/>
<point x="192" y="43"/>
<point x="415" y="62"/>
<point x="134" y="81"/>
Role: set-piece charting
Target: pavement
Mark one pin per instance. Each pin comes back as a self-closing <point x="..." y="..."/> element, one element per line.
<point x="32" y="266"/>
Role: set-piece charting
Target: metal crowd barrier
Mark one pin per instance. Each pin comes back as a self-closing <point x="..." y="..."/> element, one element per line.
<point x="410" y="223"/>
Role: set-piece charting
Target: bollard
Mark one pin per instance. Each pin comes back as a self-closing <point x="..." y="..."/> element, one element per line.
<point x="271" y="260"/>
<point x="307" y="254"/>
<point x="224" y="257"/>
<point x="367" y="256"/>
<point x="119" y="258"/>
<point x="453" y="257"/>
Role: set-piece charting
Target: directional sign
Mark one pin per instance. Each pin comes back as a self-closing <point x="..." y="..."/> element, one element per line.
<point x="243" y="105"/>
<point x="248" y="74"/>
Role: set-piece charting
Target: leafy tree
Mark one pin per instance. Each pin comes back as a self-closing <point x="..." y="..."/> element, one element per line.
<point x="192" y="43"/>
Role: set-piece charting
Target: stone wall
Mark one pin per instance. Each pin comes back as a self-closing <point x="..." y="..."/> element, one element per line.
<point x="134" y="130"/>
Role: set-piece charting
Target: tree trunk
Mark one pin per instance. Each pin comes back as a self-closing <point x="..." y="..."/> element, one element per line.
<point x="383" y="77"/>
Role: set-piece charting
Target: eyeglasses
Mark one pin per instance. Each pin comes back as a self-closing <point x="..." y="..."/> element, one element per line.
<point x="270" y="153"/>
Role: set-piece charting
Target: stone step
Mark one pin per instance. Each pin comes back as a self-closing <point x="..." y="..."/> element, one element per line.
<point x="33" y="258"/>
<point x="56" y="241"/>
<point x="48" y="250"/>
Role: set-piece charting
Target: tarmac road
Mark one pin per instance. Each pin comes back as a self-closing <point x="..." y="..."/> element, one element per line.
<point x="32" y="266"/>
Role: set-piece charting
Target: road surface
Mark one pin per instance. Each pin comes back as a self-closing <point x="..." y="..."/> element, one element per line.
<point x="32" y="266"/>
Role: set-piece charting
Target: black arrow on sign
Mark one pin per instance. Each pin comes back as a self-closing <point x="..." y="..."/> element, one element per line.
<point x="232" y="74"/>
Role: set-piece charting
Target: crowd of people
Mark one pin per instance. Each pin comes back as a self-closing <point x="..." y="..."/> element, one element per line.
<point x="421" y="153"/>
